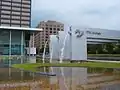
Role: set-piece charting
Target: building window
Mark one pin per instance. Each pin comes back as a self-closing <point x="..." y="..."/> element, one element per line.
<point x="25" y="18"/>
<point x="54" y="28"/>
<point x="5" y="24"/>
<point x="27" y="6"/>
<point x="5" y="12"/>
<point x="27" y="14"/>
<point x="58" y="29"/>
<point x="15" y="17"/>
<point x="5" y="21"/>
<point x="25" y="1"/>
<point x="6" y="7"/>
<point x="16" y="1"/>
<point x="6" y="3"/>
<point x="62" y="26"/>
<point x="25" y="10"/>
<point x="16" y="8"/>
<point x="16" y="4"/>
<point x="58" y="25"/>
<point x="15" y="13"/>
<point x="15" y="21"/>
<point x="16" y="42"/>
<point x="50" y="25"/>
<point x="5" y="16"/>
<point x="50" y="28"/>
<point x="25" y="22"/>
<point x="50" y="31"/>
<point x="42" y="25"/>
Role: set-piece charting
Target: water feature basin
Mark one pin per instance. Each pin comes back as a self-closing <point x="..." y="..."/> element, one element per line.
<point x="67" y="78"/>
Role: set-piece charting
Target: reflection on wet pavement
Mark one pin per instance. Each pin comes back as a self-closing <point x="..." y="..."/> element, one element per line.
<point x="67" y="78"/>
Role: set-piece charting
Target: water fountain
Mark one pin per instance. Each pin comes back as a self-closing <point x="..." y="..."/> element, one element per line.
<point x="63" y="47"/>
<point x="72" y="45"/>
<point x="43" y="58"/>
<point x="51" y="54"/>
<point x="62" y="73"/>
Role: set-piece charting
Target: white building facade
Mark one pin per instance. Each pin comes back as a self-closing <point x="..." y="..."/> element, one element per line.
<point x="76" y="41"/>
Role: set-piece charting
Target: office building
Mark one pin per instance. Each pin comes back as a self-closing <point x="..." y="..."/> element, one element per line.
<point x="15" y="13"/>
<point x="49" y="28"/>
<point x="14" y="41"/>
<point x="15" y="31"/>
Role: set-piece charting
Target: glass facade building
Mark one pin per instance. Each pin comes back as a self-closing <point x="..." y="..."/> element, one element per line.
<point x="14" y="41"/>
<point x="14" y="44"/>
<point x="15" y="31"/>
<point x="14" y="13"/>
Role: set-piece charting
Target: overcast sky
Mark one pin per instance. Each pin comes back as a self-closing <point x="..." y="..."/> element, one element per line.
<point x="84" y="13"/>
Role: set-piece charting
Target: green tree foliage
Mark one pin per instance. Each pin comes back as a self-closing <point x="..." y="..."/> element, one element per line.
<point x="109" y="48"/>
<point x="106" y="48"/>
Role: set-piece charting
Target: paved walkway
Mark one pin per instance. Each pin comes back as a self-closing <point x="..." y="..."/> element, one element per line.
<point x="99" y="85"/>
<point x="105" y="61"/>
<point x="17" y="84"/>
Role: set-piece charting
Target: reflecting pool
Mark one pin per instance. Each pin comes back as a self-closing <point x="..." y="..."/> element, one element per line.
<point x="66" y="78"/>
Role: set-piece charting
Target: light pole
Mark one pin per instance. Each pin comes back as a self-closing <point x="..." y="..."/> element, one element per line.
<point x="58" y="47"/>
<point x="70" y="33"/>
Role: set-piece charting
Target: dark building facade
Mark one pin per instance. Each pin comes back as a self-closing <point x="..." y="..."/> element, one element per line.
<point x="15" y="13"/>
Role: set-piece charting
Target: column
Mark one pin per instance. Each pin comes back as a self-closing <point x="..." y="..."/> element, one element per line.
<point x="10" y="49"/>
<point x="33" y="41"/>
<point x="22" y="52"/>
<point x="29" y="47"/>
<point x="58" y="47"/>
<point x="70" y="33"/>
<point x="10" y="55"/>
<point x="22" y="43"/>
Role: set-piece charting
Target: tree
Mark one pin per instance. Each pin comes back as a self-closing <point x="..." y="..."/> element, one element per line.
<point x="110" y="48"/>
<point x="117" y="49"/>
<point x="40" y="50"/>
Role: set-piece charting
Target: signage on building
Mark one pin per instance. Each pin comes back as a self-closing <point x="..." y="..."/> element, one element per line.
<point x="79" y="33"/>
<point x="94" y="33"/>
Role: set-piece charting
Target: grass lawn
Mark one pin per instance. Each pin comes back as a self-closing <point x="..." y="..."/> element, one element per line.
<point x="32" y="67"/>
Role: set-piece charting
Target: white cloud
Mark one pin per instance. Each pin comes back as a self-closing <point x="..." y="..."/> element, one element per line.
<point x="88" y="13"/>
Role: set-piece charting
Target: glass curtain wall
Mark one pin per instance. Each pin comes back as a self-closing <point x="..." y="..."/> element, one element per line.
<point x="17" y="43"/>
<point x="4" y="42"/>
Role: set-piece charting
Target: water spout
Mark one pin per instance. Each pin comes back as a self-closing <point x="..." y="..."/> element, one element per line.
<point x="63" y="81"/>
<point x="51" y="53"/>
<point x="62" y="49"/>
<point x="43" y="58"/>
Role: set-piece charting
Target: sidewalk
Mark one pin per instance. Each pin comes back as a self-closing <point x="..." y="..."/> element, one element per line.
<point x="104" y="61"/>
